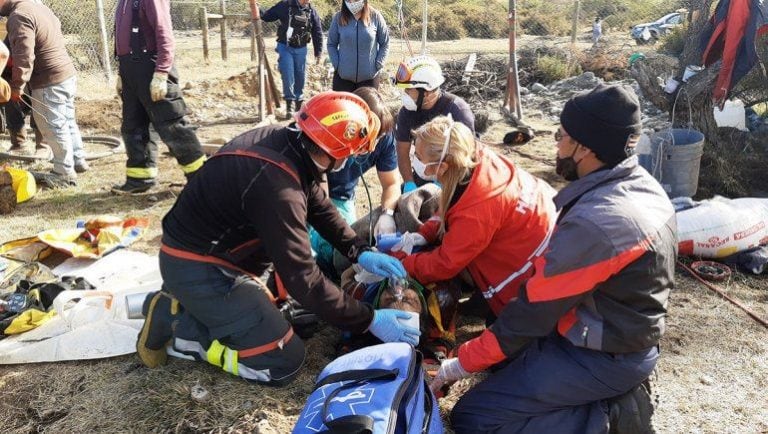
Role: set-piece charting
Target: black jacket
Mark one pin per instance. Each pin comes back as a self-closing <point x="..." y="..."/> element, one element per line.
<point x="282" y="11"/>
<point x="249" y="206"/>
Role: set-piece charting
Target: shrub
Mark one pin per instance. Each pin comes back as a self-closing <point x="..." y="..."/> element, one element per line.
<point x="486" y="21"/>
<point x="551" y="68"/>
<point x="674" y="42"/>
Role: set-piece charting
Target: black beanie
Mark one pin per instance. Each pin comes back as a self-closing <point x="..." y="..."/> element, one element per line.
<point x="603" y="119"/>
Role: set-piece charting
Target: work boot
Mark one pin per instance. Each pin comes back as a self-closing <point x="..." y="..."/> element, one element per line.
<point x="631" y="412"/>
<point x="19" y="143"/>
<point x="134" y="185"/>
<point x="55" y="180"/>
<point x="82" y="166"/>
<point x="288" y="109"/>
<point x="299" y="103"/>
<point x="160" y="310"/>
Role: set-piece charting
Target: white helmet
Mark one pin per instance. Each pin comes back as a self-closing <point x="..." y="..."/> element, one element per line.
<point x="420" y="72"/>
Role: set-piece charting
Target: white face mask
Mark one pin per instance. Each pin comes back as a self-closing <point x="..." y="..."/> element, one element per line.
<point x="324" y="169"/>
<point x="408" y="103"/>
<point x="420" y="168"/>
<point x="355" y="7"/>
<point x="341" y="167"/>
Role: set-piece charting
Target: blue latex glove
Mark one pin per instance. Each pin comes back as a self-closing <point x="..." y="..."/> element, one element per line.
<point x="381" y="264"/>
<point x="386" y="326"/>
<point x="409" y="186"/>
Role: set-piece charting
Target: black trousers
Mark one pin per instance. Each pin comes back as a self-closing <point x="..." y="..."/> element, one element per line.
<point x="341" y="85"/>
<point x="166" y="116"/>
<point x="233" y="313"/>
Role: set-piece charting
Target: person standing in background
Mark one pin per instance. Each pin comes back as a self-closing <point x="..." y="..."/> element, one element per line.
<point x="15" y="114"/>
<point x="41" y="63"/>
<point x="597" y="30"/>
<point x="148" y="85"/>
<point x="299" y="23"/>
<point x="358" y="43"/>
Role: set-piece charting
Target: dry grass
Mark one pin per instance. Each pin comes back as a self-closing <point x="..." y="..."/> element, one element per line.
<point x="713" y="371"/>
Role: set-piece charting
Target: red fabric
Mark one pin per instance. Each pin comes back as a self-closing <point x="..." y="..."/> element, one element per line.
<point x="547" y="288"/>
<point x="738" y="16"/>
<point x="481" y="352"/>
<point x="430" y="230"/>
<point x="493" y="231"/>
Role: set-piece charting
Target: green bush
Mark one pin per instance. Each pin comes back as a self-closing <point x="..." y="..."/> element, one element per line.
<point x="487" y="21"/>
<point x="551" y="68"/>
<point x="674" y="42"/>
<point x="543" y="18"/>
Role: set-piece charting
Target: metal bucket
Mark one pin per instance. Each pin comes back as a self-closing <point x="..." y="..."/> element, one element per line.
<point x="674" y="160"/>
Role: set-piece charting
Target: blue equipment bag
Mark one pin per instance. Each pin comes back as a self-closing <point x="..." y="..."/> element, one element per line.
<point x="378" y="389"/>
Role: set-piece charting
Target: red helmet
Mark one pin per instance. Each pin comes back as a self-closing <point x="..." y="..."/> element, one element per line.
<point x="340" y="123"/>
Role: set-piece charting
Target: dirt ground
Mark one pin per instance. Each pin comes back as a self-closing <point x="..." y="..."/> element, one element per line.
<point x="712" y="375"/>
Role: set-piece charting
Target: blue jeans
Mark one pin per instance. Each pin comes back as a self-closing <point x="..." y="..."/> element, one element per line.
<point x="292" y="64"/>
<point x="323" y="249"/>
<point x="552" y="387"/>
<point x="54" y="112"/>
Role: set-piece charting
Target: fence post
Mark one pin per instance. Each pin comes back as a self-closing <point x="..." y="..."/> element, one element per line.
<point x="223" y="4"/>
<point x="424" y="28"/>
<point x="512" y="100"/>
<point x="253" y="42"/>
<point x="575" y="26"/>
<point x="204" y="27"/>
<point x="104" y="40"/>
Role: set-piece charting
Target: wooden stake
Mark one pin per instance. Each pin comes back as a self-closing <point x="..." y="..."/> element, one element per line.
<point x="204" y="26"/>
<point x="223" y="26"/>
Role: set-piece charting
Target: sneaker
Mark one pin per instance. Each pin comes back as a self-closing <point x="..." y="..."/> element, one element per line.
<point x="133" y="186"/>
<point x="631" y="412"/>
<point x="82" y="166"/>
<point x="160" y="310"/>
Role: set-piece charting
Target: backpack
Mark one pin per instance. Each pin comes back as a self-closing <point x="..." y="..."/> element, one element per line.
<point x="376" y="389"/>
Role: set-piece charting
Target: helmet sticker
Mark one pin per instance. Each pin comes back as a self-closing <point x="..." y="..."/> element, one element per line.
<point x="335" y="118"/>
<point x="350" y="131"/>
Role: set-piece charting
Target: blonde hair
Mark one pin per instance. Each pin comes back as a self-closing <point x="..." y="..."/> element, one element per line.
<point x="460" y="155"/>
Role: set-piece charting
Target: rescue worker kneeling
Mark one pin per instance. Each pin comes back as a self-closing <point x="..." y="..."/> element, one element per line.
<point x="247" y="208"/>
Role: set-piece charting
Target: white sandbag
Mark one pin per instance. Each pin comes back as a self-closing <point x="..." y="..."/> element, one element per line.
<point x="720" y="227"/>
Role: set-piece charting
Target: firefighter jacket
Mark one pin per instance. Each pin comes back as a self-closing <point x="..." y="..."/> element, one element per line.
<point x="249" y="206"/>
<point x="494" y="230"/>
<point x="604" y="279"/>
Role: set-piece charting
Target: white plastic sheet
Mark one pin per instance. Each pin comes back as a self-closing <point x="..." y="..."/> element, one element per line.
<point x="96" y="326"/>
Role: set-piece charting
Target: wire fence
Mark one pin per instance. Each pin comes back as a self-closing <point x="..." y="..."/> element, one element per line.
<point x="558" y="29"/>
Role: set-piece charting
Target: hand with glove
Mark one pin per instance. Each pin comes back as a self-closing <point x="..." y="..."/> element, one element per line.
<point x="409" y="186"/>
<point x="388" y="327"/>
<point x="16" y="95"/>
<point x="119" y="86"/>
<point x="408" y="241"/>
<point x="450" y="371"/>
<point x="385" y="224"/>
<point x="158" y="88"/>
<point x="381" y="264"/>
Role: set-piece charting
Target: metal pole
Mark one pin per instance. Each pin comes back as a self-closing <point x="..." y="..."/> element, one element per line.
<point x="104" y="41"/>
<point x="204" y="27"/>
<point x="575" y="25"/>
<point x="424" y="21"/>
<point x="513" y="81"/>
<point x="223" y="7"/>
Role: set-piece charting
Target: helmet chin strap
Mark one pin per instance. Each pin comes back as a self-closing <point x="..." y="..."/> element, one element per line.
<point x="420" y="99"/>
